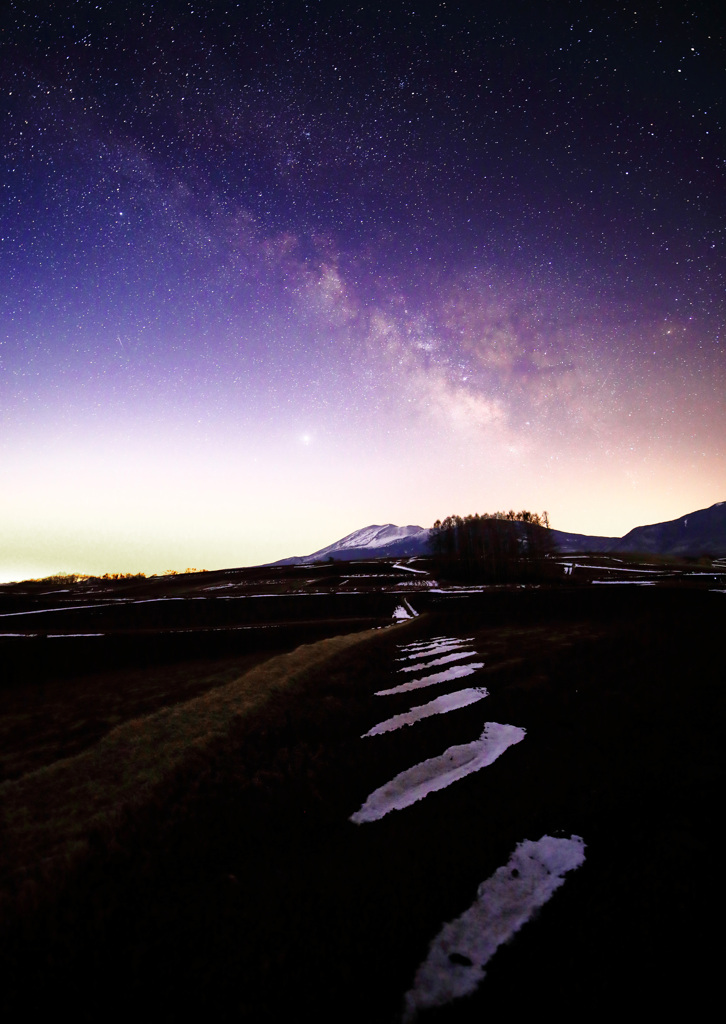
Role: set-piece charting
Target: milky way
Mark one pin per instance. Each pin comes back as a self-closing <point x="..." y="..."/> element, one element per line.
<point x="269" y="276"/>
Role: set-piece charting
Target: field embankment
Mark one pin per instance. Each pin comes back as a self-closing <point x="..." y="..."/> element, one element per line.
<point x="53" y="815"/>
<point x="240" y="888"/>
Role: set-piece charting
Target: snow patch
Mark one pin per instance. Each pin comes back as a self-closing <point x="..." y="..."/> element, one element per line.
<point x="415" y="644"/>
<point x="456" y="591"/>
<point x="438" y="706"/>
<point x="628" y="583"/>
<point x="454" y="672"/>
<point x="438" y="661"/>
<point x="455" y="962"/>
<point x="438" y="772"/>
<point x="611" y="568"/>
<point x="438" y="648"/>
<point x="65" y="608"/>
<point x="56" y="636"/>
<point x="404" y="611"/>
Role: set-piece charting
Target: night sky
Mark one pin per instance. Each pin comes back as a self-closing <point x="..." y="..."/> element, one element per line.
<point x="273" y="272"/>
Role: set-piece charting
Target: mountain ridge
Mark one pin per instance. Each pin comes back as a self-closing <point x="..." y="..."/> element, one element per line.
<point x="694" y="534"/>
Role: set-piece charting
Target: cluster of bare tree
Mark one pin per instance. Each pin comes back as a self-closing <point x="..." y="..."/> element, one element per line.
<point x="82" y="577"/>
<point x="512" y="517"/>
<point x="496" y="547"/>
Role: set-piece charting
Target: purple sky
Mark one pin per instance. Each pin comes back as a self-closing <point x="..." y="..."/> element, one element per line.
<point x="269" y="277"/>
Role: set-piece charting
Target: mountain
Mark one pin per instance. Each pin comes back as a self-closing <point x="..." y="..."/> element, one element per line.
<point x="567" y="543"/>
<point x="699" y="533"/>
<point x="387" y="541"/>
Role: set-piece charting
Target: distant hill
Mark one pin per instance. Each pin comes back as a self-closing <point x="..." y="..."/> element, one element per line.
<point x="699" y="533"/>
<point x="568" y="543"/>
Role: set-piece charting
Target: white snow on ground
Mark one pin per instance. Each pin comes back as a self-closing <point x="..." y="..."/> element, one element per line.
<point x="628" y="583"/>
<point x="454" y="591"/>
<point x="65" y="608"/>
<point x="441" y="647"/>
<point x="455" y="962"/>
<point x="407" y="568"/>
<point x="439" y="706"/>
<point x="104" y="604"/>
<point x="421" y="643"/>
<point x="455" y="672"/>
<point x="404" y="611"/>
<point x="438" y="772"/>
<point x="438" y="661"/>
<point x="56" y="636"/>
<point x="222" y="629"/>
<point x="612" y="568"/>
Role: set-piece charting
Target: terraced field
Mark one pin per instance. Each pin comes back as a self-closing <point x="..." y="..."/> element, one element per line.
<point x="505" y="803"/>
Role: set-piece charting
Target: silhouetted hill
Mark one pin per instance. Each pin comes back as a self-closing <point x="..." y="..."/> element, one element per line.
<point x="568" y="543"/>
<point x="699" y="533"/>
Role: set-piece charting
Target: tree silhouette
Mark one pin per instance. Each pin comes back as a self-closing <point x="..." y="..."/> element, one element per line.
<point x="497" y="547"/>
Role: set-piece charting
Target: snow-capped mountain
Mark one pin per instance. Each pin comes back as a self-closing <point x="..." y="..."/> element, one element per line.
<point x="698" y="533"/>
<point x="387" y="541"/>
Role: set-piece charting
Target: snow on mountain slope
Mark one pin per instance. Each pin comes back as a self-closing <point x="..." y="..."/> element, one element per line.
<point x="700" y="532"/>
<point x="375" y="537"/>
<point x="371" y="542"/>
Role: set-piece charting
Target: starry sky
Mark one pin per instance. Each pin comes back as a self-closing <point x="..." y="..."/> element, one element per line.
<point x="272" y="272"/>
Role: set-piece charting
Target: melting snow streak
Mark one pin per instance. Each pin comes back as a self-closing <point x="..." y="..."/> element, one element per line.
<point x="438" y="772"/>
<point x="455" y="672"/>
<point x="423" y="665"/>
<point x="455" y="962"/>
<point x="447" y="702"/>
<point x="422" y="649"/>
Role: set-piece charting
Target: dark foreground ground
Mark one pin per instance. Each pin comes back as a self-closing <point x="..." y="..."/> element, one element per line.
<point x="251" y="896"/>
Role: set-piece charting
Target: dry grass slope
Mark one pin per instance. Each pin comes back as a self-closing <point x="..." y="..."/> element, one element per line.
<point x="52" y="815"/>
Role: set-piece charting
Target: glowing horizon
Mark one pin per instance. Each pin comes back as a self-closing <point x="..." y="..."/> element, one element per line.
<point x="253" y="303"/>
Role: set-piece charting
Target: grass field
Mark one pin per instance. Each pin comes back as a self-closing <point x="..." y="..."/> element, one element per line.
<point x="200" y="859"/>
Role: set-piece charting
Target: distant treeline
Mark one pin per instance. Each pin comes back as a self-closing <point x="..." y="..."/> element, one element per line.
<point x="82" y="577"/>
<point x="65" y="578"/>
<point x="498" y="547"/>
